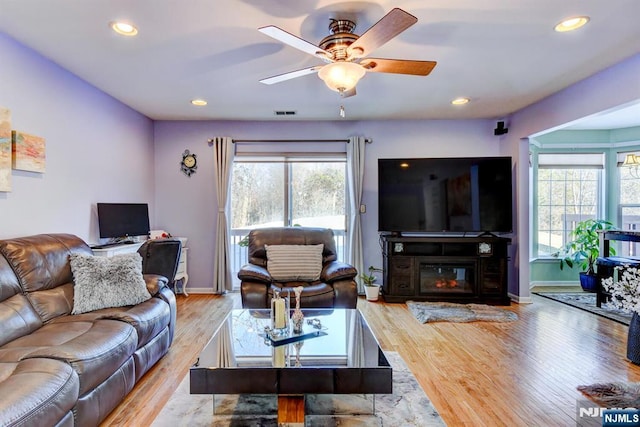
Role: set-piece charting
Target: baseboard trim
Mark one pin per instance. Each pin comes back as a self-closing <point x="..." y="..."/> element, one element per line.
<point x="203" y="291"/>
<point x="206" y="291"/>
<point x="558" y="283"/>
<point x="520" y="300"/>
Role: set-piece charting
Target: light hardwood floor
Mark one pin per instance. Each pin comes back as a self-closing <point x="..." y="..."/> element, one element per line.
<point x="523" y="373"/>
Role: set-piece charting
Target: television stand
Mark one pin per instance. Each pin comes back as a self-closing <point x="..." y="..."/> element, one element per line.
<point x="446" y="268"/>
<point x="487" y="234"/>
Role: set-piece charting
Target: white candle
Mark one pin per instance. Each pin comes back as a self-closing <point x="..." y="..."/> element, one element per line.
<point x="280" y="315"/>
<point x="278" y="356"/>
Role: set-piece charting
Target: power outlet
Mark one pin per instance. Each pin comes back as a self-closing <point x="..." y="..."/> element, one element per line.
<point x="363" y="208"/>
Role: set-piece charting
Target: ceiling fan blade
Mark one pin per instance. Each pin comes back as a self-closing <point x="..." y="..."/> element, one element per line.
<point x="392" y="24"/>
<point x="290" y="75"/>
<point x="398" y="66"/>
<point x="294" y="41"/>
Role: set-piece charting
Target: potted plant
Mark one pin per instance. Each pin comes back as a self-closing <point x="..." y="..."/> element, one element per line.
<point x="584" y="249"/>
<point x="371" y="288"/>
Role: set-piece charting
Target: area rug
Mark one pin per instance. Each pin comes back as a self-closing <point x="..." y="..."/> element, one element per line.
<point x="587" y="301"/>
<point x="613" y="395"/>
<point x="407" y="406"/>
<point x="450" y="312"/>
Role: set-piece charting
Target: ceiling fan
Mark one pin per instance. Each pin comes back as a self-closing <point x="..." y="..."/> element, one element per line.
<point x="346" y="52"/>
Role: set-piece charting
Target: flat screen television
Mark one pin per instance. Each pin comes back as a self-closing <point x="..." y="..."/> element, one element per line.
<point x="435" y="195"/>
<point x="117" y="220"/>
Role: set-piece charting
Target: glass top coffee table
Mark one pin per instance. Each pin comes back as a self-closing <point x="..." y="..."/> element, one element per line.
<point x="339" y="356"/>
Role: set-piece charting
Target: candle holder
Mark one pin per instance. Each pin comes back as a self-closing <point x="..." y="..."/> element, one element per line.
<point x="279" y="314"/>
<point x="280" y="356"/>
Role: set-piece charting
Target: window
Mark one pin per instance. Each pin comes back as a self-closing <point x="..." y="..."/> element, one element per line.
<point x="288" y="190"/>
<point x="629" y="190"/>
<point x="567" y="191"/>
<point x="257" y="195"/>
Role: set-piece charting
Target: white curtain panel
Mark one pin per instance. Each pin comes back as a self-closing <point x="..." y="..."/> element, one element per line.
<point x="225" y="356"/>
<point x="355" y="177"/>
<point x="355" y="340"/>
<point x="223" y="156"/>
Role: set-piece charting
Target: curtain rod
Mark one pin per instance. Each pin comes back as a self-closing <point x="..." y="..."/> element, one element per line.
<point x="368" y="140"/>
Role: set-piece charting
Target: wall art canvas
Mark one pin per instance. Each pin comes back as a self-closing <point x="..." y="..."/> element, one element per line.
<point x="28" y="152"/>
<point x="5" y="149"/>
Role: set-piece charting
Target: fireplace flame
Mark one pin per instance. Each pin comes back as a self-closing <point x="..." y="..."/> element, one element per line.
<point x="444" y="283"/>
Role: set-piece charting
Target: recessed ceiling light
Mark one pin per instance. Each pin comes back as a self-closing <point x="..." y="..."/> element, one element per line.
<point x="199" y="102"/>
<point x="460" y="101"/>
<point x="571" y="24"/>
<point x="123" y="28"/>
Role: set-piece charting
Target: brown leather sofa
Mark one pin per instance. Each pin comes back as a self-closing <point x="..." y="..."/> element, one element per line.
<point x="58" y="369"/>
<point x="335" y="288"/>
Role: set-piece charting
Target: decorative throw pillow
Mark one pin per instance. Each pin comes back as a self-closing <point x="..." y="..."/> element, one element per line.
<point x="101" y="282"/>
<point x="294" y="262"/>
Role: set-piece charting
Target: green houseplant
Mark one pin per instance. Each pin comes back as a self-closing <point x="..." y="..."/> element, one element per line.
<point x="371" y="288"/>
<point x="584" y="249"/>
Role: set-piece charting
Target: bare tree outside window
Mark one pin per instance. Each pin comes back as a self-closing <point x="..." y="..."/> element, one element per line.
<point x="565" y="197"/>
<point x="257" y="192"/>
<point x="629" y="192"/>
<point x="286" y="193"/>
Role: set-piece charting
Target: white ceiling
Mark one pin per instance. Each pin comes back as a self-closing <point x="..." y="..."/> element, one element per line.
<point x="616" y="118"/>
<point x="503" y="54"/>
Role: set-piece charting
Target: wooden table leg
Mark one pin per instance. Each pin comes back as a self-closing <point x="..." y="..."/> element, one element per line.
<point x="291" y="410"/>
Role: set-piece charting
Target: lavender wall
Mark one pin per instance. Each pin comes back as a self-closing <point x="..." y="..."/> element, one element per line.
<point x="187" y="206"/>
<point x="100" y="150"/>
<point x="616" y="86"/>
<point x="97" y="149"/>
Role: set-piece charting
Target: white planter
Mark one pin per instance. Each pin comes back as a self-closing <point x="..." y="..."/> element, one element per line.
<point x="372" y="292"/>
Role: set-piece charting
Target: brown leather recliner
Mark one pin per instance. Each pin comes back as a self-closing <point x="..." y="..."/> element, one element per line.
<point x="336" y="286"/>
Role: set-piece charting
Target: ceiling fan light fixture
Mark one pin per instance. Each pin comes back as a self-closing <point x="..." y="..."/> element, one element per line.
<point x="358" y="52"/>
<point x="341" y="76"/>
<point x="571" y="24"/>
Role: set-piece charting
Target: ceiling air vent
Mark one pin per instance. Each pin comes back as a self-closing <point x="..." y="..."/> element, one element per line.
<point x="284" y="113"/>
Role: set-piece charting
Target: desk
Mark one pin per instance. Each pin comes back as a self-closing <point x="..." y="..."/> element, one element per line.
<point x="606" y="264"/>
<point x="117" y="250"/>
<point x="607" y="236"/>
<point x="181" y="273"/>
